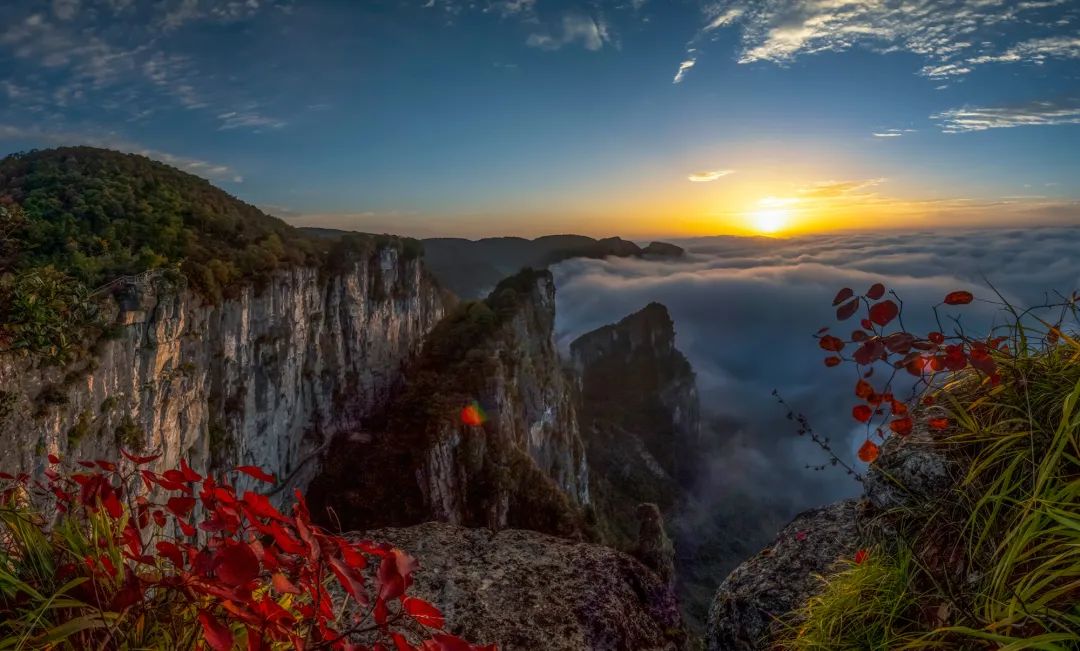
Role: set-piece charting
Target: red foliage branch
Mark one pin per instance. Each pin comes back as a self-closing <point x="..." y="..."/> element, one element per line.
<point x="233" y="568"/>
<point x="882" y="338"/>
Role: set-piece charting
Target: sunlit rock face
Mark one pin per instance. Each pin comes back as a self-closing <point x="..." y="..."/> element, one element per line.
<point x="261" y="379"/>
<point x="524" y="466"/>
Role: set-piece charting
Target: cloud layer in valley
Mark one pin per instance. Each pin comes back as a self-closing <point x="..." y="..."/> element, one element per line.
<point x="745" y="310"/>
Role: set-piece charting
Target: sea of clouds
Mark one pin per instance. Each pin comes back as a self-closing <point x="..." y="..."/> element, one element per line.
<point x="746" y="309"/>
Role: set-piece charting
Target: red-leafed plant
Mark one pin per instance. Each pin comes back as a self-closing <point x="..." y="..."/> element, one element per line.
<point x="881" y="340"/>
<point x="110" y="555"/>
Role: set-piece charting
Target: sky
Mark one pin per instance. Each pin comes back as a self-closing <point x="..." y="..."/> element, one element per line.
<point x="639" y="118"/>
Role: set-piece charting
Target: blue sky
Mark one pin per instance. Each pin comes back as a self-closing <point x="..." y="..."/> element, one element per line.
<point x="480" y="117"/>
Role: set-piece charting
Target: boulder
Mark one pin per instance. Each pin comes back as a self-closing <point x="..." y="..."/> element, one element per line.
<point x="911" y="470"/>
<point x="526" y="591"/>
<point x="744" y="614"/>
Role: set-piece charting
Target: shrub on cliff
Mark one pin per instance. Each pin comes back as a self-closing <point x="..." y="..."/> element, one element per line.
<point x="993" y="561"/>
<point x="45" y="312"/>
<point x="88" y="561"/>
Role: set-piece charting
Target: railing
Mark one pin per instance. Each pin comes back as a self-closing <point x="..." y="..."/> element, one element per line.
<point x="138" y="280"/>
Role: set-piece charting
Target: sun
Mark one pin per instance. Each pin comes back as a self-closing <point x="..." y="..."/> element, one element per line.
<point x="770" y="220"/>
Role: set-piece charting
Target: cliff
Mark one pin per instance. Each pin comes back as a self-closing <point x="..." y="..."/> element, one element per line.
<point x="524" y="590"/>
<point x="518" y="461"/>
<point x="260" y="379"/>
<point x="640" y="417"/>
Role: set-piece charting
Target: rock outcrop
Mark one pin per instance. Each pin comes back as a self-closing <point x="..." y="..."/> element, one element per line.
<point x="640" y="417"/>
<point x="749" y="604"/>
<point x="526" y="591"/>
<point x="519" y="461"/>
<point x="761" y="594"/>
<point x="260" y="379"/>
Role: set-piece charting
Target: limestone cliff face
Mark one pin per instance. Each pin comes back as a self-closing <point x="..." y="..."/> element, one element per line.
<point x="640" y="417"/>
<point x="260" y="379"/>
<point x="523" y="466"/>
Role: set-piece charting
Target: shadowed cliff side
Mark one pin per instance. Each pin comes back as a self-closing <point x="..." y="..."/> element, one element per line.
<point x="523" y="466"/>
<point x="640" y="418"/>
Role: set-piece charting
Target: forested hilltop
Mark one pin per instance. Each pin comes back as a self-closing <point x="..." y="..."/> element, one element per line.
<point x="74" y="218"/>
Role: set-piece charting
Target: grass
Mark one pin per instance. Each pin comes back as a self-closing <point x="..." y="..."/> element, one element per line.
<point x="994" y="563"/>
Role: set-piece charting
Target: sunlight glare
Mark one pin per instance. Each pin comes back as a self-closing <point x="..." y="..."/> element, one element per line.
<point x="770" y="220"/>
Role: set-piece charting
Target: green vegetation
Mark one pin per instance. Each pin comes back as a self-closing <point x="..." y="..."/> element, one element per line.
<point x="80" y="429"/>
<point x="452" y="365"/>
<point x="45" y="312"/>
<point x="995" y="563"/>
<point x="98" y="214"/>
<point x="75" y="218"/>
<point x="129" y="435"/>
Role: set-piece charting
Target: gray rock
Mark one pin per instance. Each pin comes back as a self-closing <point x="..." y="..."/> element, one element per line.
<point x="744" y="615"/>
<point x="654" y="548"/>
<point x="527" y="591"/>
<point x="909" y="471"/>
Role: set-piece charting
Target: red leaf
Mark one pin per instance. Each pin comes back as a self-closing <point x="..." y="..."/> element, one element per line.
<point x="831" y="343"/>
<point x="865" y="323"/>
<point x="863" y="389"/>
<point x="257" y="473"/>
<point x="861" y="556"/>
<point x="189" y="474"/>
<point x="832" y="361"/>
<point x="235" y="564"/>
<point x="283" y="585"/>
<point x="936" y="337"/>
<point x="180" y="506"/>
<point x="112" y="504"/>
<point x="901" y="426"/>
<point x="170" y="552"/>
<point x="862" y="413"/>
<point x="899" y="342"/>
<point x="939" y="423"/>
<point x="958" y="298"/>
<point x="869" y="451"/>
<point x="876" y="291"/>
<point x="869" y="352"/>
<point x="53" y="459"/>
<point x="843" y="295"/>
<point x="215" y="633"/>
<point x="137" y="460"/>
<point x="847" y="310"/>
<point x="260" y="506"/>
<point x="884" y="312"/>
<point x="423" y="612"/>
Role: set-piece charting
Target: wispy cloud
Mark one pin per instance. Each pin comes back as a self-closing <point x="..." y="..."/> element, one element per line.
<point x="206" y="169"/>
<point x="709" y="175"/>
<point x="248" y="120"/>
<point x="953" y="36"/>
<point x="892" y="133"/>
<point x="830" y="189"/>
<point x="982" y="118"/>
<point x="684" y="68"/>
<point x="591" y="33"/>
<point x="70" y="56"/>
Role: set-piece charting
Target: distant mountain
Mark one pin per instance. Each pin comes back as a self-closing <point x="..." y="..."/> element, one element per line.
<point x="471" y="268"/>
